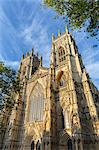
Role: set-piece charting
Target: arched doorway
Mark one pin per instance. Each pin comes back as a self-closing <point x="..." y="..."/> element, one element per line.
<point x="38" y="146"/>
<point x="32" y="145"/>
<point x="63" y="124"/>
<point x="69" y="144"/>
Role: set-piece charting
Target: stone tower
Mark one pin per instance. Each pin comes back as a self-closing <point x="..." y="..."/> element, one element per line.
<point x="58" y="107"/>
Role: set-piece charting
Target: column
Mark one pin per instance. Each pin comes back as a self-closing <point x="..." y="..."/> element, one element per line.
<point x="76" y="145"/>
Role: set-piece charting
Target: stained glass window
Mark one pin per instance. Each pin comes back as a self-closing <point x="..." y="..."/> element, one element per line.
<point x="36" y="103"/>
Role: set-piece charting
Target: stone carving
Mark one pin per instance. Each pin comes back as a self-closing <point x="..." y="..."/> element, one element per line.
<point x="53" y="111"/>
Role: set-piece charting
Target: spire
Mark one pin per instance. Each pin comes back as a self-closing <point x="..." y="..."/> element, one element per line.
<point x="66" y="30"/>
<point x="53" y="37"/>
<point x="53" y="54"/>
<point x="32" y="52"/>
<point x="59" y="34"/>
<point x="22" y="56"/>
<point x="40" y="61"/>
<point x="37" y="53"/>
<point x="27" y="54"/>
<point x="53" y="47"/>
<point x="20" y="65"/>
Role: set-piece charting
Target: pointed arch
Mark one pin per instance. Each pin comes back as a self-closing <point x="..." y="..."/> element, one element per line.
<point x="61" y="54"/>
<point x="63" y="123"/>
<point x="61" y="79"/>
<point x="32" y="145"/>
<point x="59" y="75"/>
<point x="38" y="145"/>
<point x="36" y="103"/>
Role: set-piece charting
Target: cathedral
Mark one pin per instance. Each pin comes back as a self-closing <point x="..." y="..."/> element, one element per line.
<point x="57" y="107"/>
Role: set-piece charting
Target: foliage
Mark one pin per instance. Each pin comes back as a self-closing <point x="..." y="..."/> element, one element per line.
<point x="9" y="86"/>
<point x="78" y="12"/>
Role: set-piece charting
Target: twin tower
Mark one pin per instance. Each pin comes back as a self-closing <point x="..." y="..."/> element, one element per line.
<point x="58" y="107"/>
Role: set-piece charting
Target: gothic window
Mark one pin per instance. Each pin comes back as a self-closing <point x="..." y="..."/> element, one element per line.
<point x="34" y="69"/>
<point x="61" y="54"/>
<point x="62" y="81"/>
<point x="36" y="104"/>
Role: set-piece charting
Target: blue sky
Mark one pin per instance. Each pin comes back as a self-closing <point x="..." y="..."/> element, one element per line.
<point x="26" y="23"/>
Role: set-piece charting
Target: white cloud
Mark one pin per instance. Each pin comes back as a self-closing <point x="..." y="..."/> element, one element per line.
<point x="90" y="54"/>
<point x="36" y="35"/>
<point x="13" y="64"/>
<point x="93" y="69"/>
<point x="34" y="31"/>
<point x="9" y="35"/>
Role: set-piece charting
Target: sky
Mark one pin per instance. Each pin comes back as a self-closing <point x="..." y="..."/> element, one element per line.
<point x="25" y="24"/>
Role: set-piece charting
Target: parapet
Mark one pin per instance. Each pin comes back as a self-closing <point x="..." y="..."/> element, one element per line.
<point x="60" y="34"/>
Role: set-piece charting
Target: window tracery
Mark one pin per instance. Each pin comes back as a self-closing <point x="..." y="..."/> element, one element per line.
<point x="61" y="54"/>
<point x="36" y="104"/>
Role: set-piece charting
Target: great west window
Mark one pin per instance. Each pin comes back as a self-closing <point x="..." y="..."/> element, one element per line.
<point x="36" y="104"/>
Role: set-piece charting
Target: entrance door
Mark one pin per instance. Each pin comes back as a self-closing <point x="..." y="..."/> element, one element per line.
<point x="38" y="146"/>
<point x="32" y="145"/>
<point x="69" y="144"/>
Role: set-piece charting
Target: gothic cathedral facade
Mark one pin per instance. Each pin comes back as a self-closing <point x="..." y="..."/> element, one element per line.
<point x="58" y="107"/>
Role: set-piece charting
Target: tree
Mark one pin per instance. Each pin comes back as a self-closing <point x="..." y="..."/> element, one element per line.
<point x="78" y="11"/>
<point x="9" y="86"/>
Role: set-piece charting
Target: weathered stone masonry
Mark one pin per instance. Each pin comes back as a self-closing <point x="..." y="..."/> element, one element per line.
<point x="58" y="108"/>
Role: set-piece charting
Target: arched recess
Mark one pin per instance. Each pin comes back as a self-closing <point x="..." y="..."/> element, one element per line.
<point x="61" y="79"/>
<point x="69" y="144"/>
<point x="63" y="122"/>
<point x="59" y="75"/>
<point x="31" y="138"/>
<point x="38" y="145"/>
<point x="27" y="144"/>
<point x="36" y="105"/>
<point x="64" y="138"/>
<point x="32" y="145"/>
<point x="67" y="118"/>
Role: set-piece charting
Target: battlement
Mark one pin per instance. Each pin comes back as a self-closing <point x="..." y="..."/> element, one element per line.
<point x="29" y="54"/>
<point x="29" y="64"/>
<point x="60" y="34"/>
